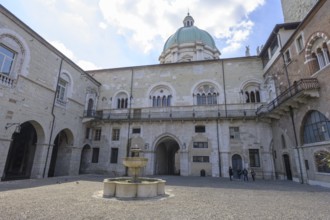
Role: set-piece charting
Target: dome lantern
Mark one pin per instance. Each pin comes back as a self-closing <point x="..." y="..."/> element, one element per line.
<point x="188" y="21"/>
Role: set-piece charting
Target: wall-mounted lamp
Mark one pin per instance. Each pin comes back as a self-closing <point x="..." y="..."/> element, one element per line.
<point x="17" y="129"/>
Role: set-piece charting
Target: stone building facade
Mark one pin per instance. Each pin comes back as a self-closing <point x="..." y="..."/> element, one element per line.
<point x="301" y="110"/>
<point x="193" y="114"/>
<point x="37" y="121"/>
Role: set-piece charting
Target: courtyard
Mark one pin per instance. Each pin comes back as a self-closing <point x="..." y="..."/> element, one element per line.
<point x="79" y="197"/>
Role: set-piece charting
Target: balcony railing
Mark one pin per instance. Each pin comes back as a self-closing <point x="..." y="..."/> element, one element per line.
<point x="177" y="113"/>
<point x="93" y="114"/>
<point x="6" y="80"/>
<point x="296" y="88"/>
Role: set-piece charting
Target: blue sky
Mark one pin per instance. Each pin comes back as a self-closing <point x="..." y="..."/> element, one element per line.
<point x="106" y="34"/>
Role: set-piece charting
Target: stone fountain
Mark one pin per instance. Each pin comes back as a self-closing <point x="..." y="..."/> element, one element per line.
<point x="134" y="186"/>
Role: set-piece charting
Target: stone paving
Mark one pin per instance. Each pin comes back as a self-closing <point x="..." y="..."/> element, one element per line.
<point x="79" y="197"/>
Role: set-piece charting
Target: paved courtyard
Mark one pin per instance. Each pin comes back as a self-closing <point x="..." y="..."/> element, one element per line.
<point x="188" y="198"/>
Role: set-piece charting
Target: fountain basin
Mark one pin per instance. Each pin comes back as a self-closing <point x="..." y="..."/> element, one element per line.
<point x="123" y="188"/>
<point x="135" y="162"/>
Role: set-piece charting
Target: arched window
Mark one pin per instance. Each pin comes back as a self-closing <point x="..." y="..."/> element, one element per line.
<point x="14" y="57"/>
<point x="122" y="100"/>
<point x="322" y="161"/>
<point x="161" y="96"/>
<point x="206" y="95"/>
<point x="316" y="128"/>
<point x="250" y="92"/>
<point x="317" y="52"/>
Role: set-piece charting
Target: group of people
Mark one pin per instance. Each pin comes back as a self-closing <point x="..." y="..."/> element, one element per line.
<point x="243" y="172"/>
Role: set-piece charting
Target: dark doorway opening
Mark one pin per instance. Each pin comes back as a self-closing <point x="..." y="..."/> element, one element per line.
<point x="167" y="157"/>
<point x="237" y="165"/>
<point x="85" y="159"/>
<point x="61" y="156"/>
<point x="288" y="172"/>
<point x="21" y="153"/>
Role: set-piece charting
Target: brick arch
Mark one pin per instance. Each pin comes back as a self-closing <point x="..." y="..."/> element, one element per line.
<point x="311" y="41"/>
<point x="310" y="56"/>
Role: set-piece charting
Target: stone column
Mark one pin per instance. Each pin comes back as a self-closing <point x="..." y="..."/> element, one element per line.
<point x="225" y="163"/>
<point x="184" y="162"/>
<point x="75" y="161"/>
<point x="39" y="161"/>
<point x="4" y="149"/>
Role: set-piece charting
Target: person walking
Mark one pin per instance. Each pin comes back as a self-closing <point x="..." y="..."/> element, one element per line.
<point x="253" y="174"/>
<point x="245" y="175"/>
<point x="230" y="173"/>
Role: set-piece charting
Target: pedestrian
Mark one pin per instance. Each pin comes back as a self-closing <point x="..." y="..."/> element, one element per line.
<point x="253" y="174"/>
<point x="239" y="173"/>
<point x="230" y="173"/>
<point x="245" y="175"/>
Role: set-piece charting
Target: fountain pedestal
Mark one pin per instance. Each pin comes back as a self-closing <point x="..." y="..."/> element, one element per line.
<point x="135" y="186"/>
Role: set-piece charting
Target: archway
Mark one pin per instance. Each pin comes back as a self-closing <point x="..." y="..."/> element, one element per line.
<point x="85" y="159"/>
<point x="167" y="157"/>
<point x="21" y="153"/>
<point x="61" y="154"/>
<point x="237" y="165"/>
<point x="286" y="160"/>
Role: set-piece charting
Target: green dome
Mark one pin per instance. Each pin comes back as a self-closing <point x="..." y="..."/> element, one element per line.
<point x="189" y="34"/>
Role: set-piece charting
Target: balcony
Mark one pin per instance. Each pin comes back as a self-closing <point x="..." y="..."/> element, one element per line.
<point x="178" y="113"/>
<point x="6" y="81"/>
<point x="295" y="95"/>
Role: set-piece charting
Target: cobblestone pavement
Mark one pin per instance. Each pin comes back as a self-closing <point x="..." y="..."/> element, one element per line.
<point x="189" y="198"/>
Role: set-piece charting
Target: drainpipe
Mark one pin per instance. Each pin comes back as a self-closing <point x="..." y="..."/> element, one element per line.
<point x="218" y="140"/>
<point x="129" y="121"/>
<point x="53" y="122"/>
<point x="296" y="144"/>
<point x="224" y="85"/>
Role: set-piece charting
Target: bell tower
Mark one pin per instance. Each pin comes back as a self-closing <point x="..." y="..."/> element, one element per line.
<point x="296" y="10"/>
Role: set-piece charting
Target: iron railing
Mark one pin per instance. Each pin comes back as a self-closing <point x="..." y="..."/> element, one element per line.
<point x="177" y="113"/>
<point x="297" y="87"/>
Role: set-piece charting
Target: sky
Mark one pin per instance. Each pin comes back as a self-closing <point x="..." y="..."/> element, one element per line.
<point x="100" y="34"/>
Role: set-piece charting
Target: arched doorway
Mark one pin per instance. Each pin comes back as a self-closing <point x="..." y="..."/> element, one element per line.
<point x="61" y="154"/>
<point x="286" y="160"/>
<point x="21" y="153"/>
<point x="85" y="159"/>
<point x="237" y="164"/>
<point x="167" y="157"/>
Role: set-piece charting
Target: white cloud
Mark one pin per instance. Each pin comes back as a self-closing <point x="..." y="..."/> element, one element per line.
<point x="85" y="65"/>
<point x="103" y="25"/>
<point x="142" y="22"/>
<point x="61" y="47"/>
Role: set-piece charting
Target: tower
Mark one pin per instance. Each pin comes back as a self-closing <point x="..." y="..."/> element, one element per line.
<point x="296" y="10"/>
